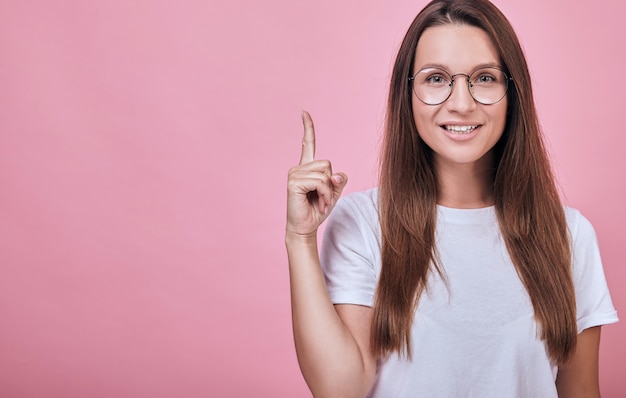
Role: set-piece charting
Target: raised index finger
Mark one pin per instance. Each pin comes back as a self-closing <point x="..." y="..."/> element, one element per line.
<point x="308" y="142"/>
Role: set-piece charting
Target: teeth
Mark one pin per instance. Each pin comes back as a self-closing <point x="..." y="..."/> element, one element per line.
<point x="460" y="129"/>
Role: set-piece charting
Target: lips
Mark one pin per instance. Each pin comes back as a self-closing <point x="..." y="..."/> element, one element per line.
<point x="457" y="129"/>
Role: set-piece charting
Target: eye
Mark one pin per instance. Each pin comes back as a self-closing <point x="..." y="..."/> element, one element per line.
<point x="485" y="79"/>
<point x="436" y="79"/>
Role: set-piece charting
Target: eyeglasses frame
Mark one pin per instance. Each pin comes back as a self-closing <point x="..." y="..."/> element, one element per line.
<point x="507" y="79"/>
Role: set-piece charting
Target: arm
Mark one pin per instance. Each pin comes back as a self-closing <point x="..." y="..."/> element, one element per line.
<point x="332" y="343"/>
<point x="579" y="377"/>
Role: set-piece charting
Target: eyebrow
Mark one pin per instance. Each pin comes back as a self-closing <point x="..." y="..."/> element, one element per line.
<point x="447" y="69"/>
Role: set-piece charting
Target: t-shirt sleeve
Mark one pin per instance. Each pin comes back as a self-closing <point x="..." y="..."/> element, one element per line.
<point x="593" y="300"/>
<point x="349" y="251"/>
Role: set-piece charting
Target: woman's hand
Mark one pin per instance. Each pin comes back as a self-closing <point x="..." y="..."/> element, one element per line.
<point x="332" y="343"/>
<point x="312" y="188"/>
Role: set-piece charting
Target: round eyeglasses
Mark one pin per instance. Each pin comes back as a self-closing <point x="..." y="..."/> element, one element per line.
<point x="433" y="86"/>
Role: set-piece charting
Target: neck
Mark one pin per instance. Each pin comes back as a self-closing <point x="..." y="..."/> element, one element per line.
<point x="465" y="186"/>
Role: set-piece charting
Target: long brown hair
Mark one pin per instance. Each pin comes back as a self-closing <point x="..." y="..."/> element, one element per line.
<point x="526" y="200"/>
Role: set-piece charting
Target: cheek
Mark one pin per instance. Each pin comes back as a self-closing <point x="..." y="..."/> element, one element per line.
<point x="500" y="115"/>
<point x="422" y="114"/>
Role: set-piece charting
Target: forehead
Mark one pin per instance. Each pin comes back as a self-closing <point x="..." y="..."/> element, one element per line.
<point x="459" y="48"/>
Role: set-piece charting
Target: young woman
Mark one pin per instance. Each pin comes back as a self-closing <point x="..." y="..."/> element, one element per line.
<point x="462" y="274"/>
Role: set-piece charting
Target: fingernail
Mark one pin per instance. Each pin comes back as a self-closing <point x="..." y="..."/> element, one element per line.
<point x="338" y="178"/>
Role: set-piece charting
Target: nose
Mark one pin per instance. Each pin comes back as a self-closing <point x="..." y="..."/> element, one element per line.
<point x="460" y="99"/>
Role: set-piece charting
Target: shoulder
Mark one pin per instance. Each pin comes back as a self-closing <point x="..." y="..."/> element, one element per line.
<point x="360" y="206"/>
<point x="366" y="200"/>
<point x="355" y="214"/>
<point x="573" y="216"/>
<point x="580" y="228"/>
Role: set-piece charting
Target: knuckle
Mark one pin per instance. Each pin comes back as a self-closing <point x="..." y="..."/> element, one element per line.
<point x="325" y="163"/>
<point x="324" y="178"/>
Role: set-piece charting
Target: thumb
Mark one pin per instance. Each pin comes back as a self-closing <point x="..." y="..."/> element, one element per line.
<point x="339" y="181"/>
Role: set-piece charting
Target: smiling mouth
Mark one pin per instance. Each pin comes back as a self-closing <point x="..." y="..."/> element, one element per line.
<point x="460" y="129"/>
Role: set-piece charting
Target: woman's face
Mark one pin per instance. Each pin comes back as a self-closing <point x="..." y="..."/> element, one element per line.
<point x="460" y="131"/>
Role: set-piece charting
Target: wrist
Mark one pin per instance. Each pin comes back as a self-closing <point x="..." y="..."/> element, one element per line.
<point x="296" y="239"/>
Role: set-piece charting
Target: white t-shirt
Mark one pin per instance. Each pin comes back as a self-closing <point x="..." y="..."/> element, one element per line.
<point x="475" y="335"/>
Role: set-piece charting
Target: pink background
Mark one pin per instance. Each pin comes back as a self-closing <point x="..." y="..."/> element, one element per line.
<point x="144" y="147"/>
